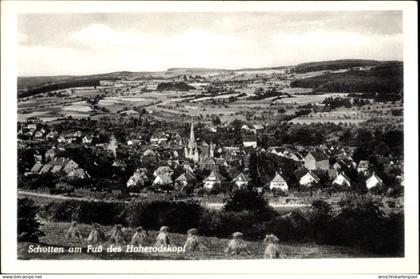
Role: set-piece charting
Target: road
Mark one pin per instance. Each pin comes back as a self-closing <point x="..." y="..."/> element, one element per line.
<point x="213" y="205"/>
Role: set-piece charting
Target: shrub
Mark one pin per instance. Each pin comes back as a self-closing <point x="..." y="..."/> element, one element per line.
<point x="27" y="225"/>
<point x="246" y="199"/>
<point x="179" y="216"/>
<point x="224" y="223"/>
<point x="105" y="213"/>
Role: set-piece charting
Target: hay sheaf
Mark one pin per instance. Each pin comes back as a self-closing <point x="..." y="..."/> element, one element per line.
<point x="163" y="238"/>
<point x="140" y="237"/>
<point x="237" y="246"/>
<point x="193" y="243"/>
<point x="117" y="235"/>
<point x="272" y="250"/>
<point x="96" y="235"/>
<point x="73" y="231"/>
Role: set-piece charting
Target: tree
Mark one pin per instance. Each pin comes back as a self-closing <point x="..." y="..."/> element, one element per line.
<point x="28" y="226"/>
<point x="246" y="199"/>
<point x="216" y="121"/>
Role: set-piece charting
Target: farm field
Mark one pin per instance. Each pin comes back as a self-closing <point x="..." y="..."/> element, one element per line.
<point x="55" y="236"/>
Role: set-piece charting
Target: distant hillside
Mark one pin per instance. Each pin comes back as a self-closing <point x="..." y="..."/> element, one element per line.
<point x="176" y="86"/>
<point x="333" y="65"/>
<point x="28" y="86"/>
<point x="385" y="78"/>
<point x="181" y="71"/>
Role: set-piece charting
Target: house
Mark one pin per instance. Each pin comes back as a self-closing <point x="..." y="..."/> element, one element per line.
<point x="245" y="127"/>
<point x="342" y="180"/>
<point x="128" y="112"/>
<point x="241" y="180"/>
<point x="87" y="139"/>
<point x="185" y="179"/>
<point x="213" y="179"/>
<point x="278" y="182"/>
<point x="163" y="170"/>
<point x="332" y="173"/>
<point x="119" y="164"/>
<point x="78" y="134"/>
<point x="257" y="127"/>
<point x="249" y="141"/>
<point x="59" y="164"/>
<point x="279" y="151"/>
<point x="316" y="160"/>
<point x="208" y="164"/>
<point x="133" y="142"/>
<point x="187" y="167"/>
<point x="52" y="135"/>
<point x="363" y="167"/>
<point x="148" y="153"/>
<point x="374" y="181"/>
<point x="50" y="154"/>
<point x="38" y="134"/>
<point x="31" y="126"/>
<point x="162" y="179"/>
<point x="309" y="179"/>
<point x="37" y="167"/>
<point x="139" y="178"/>
<point x="159" y="138"/>
<point x="79" y="173"/>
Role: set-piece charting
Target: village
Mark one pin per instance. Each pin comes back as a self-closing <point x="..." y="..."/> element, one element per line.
<point x="204" y="155"/>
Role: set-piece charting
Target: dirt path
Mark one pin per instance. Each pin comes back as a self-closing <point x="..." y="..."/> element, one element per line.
<point x="213" y="205"/>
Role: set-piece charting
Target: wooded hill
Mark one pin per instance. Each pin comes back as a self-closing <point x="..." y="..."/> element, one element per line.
<point x="384" y="78"/>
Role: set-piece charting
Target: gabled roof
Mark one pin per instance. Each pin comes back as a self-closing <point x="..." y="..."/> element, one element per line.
<point x="344" y="175"/>
<point x="318" y="155"/>
<point x="314" y="176"/>
<point x="246" y="138"/>
<point x="186" y="176"/>
<point x="148" y="152"/>
<point x="363" y="164"/>
<point x="278" y="178"/>
<point x="37" y="167"/>
<point x="163" y="169"/>
<point x="374" y="175"/>
<point x="214" y="176"/>
<point x="119" y="163"/>
<point x="241" y="177"/>
<point x="166" y="179"/>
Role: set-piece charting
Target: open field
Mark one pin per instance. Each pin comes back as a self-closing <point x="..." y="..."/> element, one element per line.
<point x="55" y="236"/>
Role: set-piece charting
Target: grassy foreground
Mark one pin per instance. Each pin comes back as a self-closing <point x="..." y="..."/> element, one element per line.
<point x="55" y="236"/>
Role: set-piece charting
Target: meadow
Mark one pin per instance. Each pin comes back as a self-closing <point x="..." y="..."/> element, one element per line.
<point x="55" y="236"/>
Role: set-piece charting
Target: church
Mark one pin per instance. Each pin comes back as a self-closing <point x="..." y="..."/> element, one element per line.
<point x="197" y="151"/>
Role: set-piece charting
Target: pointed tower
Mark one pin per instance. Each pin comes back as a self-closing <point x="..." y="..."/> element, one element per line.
<point x="191" y="143"/>
<point x="211" y="152"/>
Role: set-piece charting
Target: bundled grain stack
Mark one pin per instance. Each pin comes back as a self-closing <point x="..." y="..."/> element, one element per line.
<point x="117" y="235"/>
<point x="139" y="238"/>
<point x="96" y="235"/>
<point x="272" y="250"/>
<point x="193" y="243"/>
<point x="163" y="237"/>
<point x="73" y="231"/>
<point x="237" y="246"/>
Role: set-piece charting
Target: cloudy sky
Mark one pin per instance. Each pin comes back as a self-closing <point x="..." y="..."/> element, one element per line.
<point x="56" y="44"/>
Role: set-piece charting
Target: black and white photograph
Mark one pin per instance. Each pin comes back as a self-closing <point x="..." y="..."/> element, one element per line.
<point x="211" y="135"/>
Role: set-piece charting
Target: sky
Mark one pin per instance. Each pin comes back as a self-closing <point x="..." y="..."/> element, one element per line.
<point x="91" y="43"/>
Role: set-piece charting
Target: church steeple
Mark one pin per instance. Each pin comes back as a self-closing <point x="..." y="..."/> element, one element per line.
<point x="211" y="149"/>
<point x="191" y="143"/>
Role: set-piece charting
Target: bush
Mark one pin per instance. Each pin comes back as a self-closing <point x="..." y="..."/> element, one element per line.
<point x="105" y="213"/>
<point x="27" y="225"/>
<point x="246" y="199"/>
<point x="179" y="216"/>
<point x="223" y="223"/>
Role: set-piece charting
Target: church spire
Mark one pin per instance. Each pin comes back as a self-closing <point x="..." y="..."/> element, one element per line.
<point x="191" y="143"/>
